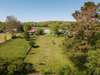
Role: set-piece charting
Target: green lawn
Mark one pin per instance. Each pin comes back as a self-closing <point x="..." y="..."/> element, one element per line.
<point x="49" y="55"/>
<point x="14" y="49"/>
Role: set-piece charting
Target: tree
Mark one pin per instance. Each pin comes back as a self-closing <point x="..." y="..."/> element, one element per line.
<point x="32" y="40"/>
<point x="58" y="28"/>
<point x="40" y="31"/>
<point x="93" y="65"/>
<point x="29" y="36"/>
<point x="85" y="29"/>
<point x="27" y="26"/>
<point x="84" y="39"/>
<point x="2" y="27"/>
<point x="55" y="27"/>
<point x="12" y="25"/>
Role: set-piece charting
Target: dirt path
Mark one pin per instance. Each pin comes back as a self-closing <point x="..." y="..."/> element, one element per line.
<point x="49" y="55"/>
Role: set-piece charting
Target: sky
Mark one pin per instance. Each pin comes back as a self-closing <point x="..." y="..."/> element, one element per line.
<point x="40" y="10"/>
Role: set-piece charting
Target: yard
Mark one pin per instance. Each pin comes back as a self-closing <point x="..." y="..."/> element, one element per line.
<point x="12" y="49"/>
<point x="49" y="56"/>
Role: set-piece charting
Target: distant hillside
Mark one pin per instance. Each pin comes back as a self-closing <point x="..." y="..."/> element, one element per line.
<point x="48" y="23"/>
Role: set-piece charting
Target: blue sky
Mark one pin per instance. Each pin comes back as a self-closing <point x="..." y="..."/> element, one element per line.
<point x="40" y="10"/>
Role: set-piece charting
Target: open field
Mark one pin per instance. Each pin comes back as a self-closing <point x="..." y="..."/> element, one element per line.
<point x="49" y="56"/>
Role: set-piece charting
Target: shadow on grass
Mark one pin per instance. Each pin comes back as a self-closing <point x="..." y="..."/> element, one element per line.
<point x="36" y="46"/>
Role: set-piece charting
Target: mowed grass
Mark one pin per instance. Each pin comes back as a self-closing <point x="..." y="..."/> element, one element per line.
<point x="13" y="49"/>
<point x="50" y="55"/>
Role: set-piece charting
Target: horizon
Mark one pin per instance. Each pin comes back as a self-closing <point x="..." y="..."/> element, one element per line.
<point x="40" y="10"/>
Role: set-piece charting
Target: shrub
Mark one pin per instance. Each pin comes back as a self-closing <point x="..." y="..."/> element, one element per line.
<point x="93" y="64"/>
<point x="48" y="72"/>
<point x="66" y="70"/>
<point x="40" y="31"/>
<point x="79" y="59"/>
<point x="26" y="36"/>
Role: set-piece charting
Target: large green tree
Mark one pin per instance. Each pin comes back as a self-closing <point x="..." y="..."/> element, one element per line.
<point x="83" y="41"/>
<point x="27" y="26"/>
<point x="87" y="28"/>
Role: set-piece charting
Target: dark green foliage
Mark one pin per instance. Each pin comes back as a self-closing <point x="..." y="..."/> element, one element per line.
<point x="26" y="36"/>
<point x="2" y="27"/>
<point x="89" y="4"/>
<point x="48" y="72"/>
<point x="83" y="41"/>
<point x="65" y="70"/>
<point x="79" y="59"/>
<point x="32" y="42"/>
<point x="93" y="63"/>
<point x="15" y="67"/>
<point x="86" y="29"/>
<point x="40" y="31"/>
<point x="31" y="38"/>
<point x="27" y="26"/>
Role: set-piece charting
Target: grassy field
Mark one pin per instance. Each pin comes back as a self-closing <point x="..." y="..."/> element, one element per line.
<point x="49" y="56"/>
<point x="14" y="49"/>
